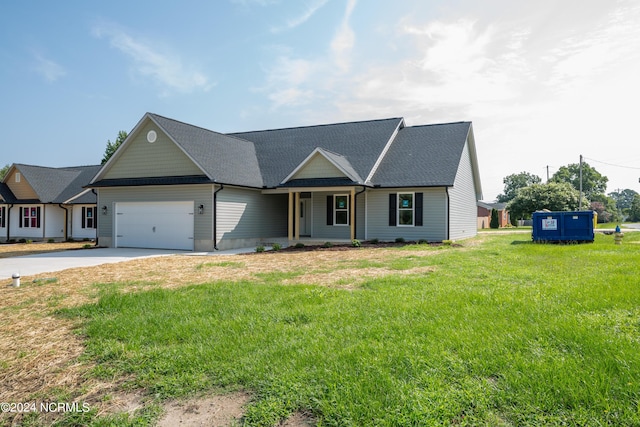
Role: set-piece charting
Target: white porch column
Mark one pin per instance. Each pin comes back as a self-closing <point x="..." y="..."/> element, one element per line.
<point x="296" y="215"/>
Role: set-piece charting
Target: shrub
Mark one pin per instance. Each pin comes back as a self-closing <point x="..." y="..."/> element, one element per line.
<point x="375" y="241"/>
<point x="276" y="246"/>
<point x="29" y="241"/>
<point x="87" y="246"/>
<point x="260" y="248"/>
<point x="51" y="240"/>
<point x="495" y="223"/>
<point x="299" y="245"/>
<point x="423" y="242"/>
<point x="327" y="245"/>
<point x="399" y="239"/>
<point x="356" y="243"/>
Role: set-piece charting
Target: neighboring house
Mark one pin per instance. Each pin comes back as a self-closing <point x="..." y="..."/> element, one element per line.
<point x="484" y="214"/>
<point x="38" y="203"/>
<point x="175" y="185"/>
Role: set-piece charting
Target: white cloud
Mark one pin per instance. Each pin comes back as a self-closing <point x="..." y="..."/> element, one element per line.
<point x="344" y="40"/>
<point x="304" y="16"/>
<point x="49" y="69"/>
<point x="164" y="68"/>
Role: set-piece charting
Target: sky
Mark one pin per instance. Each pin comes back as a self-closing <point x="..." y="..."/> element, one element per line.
<point x="542" y="82"/>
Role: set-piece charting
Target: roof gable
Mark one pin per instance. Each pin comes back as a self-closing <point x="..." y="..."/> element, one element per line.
<point x="51" y="185"/>
<point x="281" y="151"/>
<point x="424" y="156"/>
<point x="322" y="163"/>
<point x="201" y="152"/>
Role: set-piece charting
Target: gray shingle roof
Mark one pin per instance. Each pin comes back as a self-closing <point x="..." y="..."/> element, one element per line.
<point x="280" y="151"/>
<point x="423" y="156"/>
<point x="6" y="193"/>
<point x="224" y="158"/>
<point x="57" y="185"/>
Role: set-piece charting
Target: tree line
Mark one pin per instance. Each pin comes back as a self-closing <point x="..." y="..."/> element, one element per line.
<point x="524" y="194"/>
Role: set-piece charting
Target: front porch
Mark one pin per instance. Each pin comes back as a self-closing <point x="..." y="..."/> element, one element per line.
<point x="306" y="222"/>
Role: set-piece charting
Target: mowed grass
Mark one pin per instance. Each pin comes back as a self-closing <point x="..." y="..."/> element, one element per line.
<point x="502" y="332"/>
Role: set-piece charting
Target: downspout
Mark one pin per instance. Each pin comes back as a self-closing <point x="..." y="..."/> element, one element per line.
<point x="355" y="212"/>
<point x="448" y="216"/>
<point x="215" y="217"/>
<point x="66" y="221"/>
<point x="9" y="223"/>
<point x="93" y="190"/>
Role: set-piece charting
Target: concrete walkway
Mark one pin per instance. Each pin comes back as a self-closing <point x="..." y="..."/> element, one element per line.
<point x="56" y="261"/>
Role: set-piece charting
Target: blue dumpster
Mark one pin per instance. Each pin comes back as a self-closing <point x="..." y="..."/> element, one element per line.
<point x="563" y="226"/>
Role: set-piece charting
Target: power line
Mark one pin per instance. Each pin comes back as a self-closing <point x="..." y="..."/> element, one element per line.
<point x="611" y="164"/>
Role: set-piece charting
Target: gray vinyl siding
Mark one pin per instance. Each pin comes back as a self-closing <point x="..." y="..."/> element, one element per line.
<point x="434" y="228"/>
<point x="320" y="228"/>
<point x="142" y="159"/>
<point x="319" y="167"/>
<point x="249" y="214"/>
<point x="199" y="194"/>
<point x="462" y="200"/>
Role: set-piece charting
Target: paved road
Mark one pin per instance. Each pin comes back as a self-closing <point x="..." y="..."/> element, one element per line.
<point x="55" y="261"/>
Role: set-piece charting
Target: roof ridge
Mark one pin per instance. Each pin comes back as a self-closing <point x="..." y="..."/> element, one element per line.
<point x="200" y="127"/>
<point x="318" y="126"/>
<point x="439" y="124"/>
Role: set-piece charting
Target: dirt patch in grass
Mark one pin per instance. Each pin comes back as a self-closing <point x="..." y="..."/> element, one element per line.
<point x="40" y="352"/>
<point x="212" y="411"/>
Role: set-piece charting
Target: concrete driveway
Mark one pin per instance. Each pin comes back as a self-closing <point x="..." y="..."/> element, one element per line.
<point x="55" y="261"/>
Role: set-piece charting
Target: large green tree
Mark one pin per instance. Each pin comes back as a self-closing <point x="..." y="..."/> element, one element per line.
<point x="634" y="210"/>
<point x="623" y="198"/>
<point x="593" y="182"/>
<point x="113" y="146"/>
<point x="515" y="182"/>
<point x="552" y="196"/>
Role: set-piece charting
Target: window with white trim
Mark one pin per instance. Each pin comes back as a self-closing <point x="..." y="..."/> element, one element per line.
<point x="405" y="209"/>
<point x="31" y="217"/>
<point x="341" y="209"/>
<point x="89" y="217"/>
<point x="17" y="176"/>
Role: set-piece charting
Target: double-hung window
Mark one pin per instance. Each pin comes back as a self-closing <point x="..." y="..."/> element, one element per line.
<point x="341" y="209"/>
<point x="89" y="217"/>
<point x="30" y="217"/>
<point x="406" y="209"/>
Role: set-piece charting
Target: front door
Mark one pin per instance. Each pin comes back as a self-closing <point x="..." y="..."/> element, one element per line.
<point x="305" y="217"/>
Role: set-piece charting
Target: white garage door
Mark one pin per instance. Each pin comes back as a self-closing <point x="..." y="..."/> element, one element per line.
<point x="157" y="225"/>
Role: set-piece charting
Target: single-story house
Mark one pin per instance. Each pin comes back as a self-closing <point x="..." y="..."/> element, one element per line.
<point x="174" y="185"/>
<point x="484" y="214"/>
<point x="38" y="203"/>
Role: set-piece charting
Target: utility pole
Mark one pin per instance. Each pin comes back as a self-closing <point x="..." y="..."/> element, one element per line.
<point x="547" y="173"/>
<point x="580" y="201"/>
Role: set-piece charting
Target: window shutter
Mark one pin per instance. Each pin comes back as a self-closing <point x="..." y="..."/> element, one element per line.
<point x="393" y="203"/>
<point x="84" y="217"/>
<point x="2" y="213"/>
<point x="95" y="216"/>
<point x="21" y="219"/>
<point x="329" y="210"/>
<point x="38" y="217"/>
<point x="419" y="210"/>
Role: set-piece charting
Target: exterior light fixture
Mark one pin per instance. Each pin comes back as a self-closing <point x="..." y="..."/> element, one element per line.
<point x="104" y="210"/>
<point x="201" y="209"/>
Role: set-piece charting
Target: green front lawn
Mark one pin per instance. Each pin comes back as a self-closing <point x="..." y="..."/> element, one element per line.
<point x="501" y="332"/>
